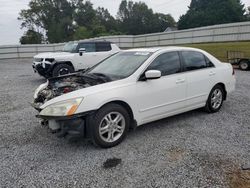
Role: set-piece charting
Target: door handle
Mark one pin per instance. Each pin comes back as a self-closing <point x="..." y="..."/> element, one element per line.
<point x="212" y="73"/>
<point x="179" y="81"/>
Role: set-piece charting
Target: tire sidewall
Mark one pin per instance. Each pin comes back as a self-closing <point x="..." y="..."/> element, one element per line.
<point x="209" y="104"/>
<point x="242" y="63"/>
<point x="97" y="118"/>
<point x="55" y="71"/>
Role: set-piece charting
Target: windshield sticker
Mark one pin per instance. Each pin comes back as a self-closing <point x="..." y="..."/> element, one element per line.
<point x="142" y="53"/>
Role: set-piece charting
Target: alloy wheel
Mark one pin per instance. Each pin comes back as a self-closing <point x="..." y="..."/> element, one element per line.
<point x="216" y="98"/>
<point x="112" y="127"/>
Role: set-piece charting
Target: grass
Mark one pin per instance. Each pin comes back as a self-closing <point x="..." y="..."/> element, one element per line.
<point x="219" y="50"/>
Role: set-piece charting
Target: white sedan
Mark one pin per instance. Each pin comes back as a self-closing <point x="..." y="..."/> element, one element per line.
<point x="132" y="88"/>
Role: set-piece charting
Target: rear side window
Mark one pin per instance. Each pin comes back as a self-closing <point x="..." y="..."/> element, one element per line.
<point x="89" y="47"/>
<point x="103" y="47"/>
<point x="194" y="60"/>
<point x="167" y="63"/>
<point x="209" y="63"/>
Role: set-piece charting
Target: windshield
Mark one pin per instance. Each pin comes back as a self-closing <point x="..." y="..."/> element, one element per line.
<point x="121" y="65"/>
<point x="70" y="47"/>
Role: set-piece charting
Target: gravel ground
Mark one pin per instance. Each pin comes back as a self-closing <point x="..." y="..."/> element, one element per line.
<point x="194" y="149"/>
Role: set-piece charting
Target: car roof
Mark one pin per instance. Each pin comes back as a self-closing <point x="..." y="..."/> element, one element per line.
<point x="94" y="42"/>
<point x="155" y="49"/>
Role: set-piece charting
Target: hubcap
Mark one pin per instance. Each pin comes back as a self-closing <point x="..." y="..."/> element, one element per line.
<point x="63" y="71"/>
<point x="112" y="127"/>
<point x="216" y="99"/>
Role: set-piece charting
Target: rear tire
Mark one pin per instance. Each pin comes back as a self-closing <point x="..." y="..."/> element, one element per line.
<point x="62" y="69"/>
<point x="244" y="65"/>
<point x="215" y="99"/>
<point x="105" y="131"/>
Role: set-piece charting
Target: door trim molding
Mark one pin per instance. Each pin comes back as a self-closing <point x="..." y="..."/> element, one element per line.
<point x="167" y="104"/>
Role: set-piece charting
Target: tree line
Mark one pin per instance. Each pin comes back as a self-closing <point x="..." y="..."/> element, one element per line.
<point x="56" y="21"/>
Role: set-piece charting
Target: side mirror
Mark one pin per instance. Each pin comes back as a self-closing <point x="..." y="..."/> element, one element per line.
<point x="152" y="74"/>
<point x="81" y="51"/>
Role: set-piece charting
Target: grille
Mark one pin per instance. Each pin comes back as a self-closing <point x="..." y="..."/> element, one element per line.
<point x="38" y="59"/>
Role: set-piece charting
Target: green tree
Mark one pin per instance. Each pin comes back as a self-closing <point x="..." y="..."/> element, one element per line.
<point x="137" y="18"/>
<point x="31" y="37"/>
<point x="81" y="33"/>
<point x="104" y="18"/>
<point x="248" y="13"/>
<point x="64" y="20"/>
<point x="55" y="17"/>
<point x="84" y="14"/>
<point x="204" y="13"/>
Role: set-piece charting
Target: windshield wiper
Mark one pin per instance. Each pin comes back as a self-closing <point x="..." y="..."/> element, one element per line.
<point x="85" y="70"/>
<point x="103" y="75"/>
<point x="96" y="77"/>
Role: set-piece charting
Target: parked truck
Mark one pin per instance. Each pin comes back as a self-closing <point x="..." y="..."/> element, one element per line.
<point x="238" y="58"/>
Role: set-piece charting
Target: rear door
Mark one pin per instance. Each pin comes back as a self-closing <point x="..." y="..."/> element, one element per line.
<point x="200" y="75"/>
<point x="103" y="50"/>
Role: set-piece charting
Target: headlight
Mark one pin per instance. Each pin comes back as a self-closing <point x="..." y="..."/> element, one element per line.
<point x="50" y="60"/>
<point x="64" y="108"/>
<point x="40" y="88"/>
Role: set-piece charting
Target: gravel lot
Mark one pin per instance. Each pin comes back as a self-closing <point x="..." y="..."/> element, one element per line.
<point x="194" y="149"/>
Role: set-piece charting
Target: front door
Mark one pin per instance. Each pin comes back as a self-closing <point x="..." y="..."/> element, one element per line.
<point x="94" y="53"/>
<point x="165" y="96"/>
<point x="88" y="58"/>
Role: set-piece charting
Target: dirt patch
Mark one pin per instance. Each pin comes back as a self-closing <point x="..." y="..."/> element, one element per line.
<point x="239" y="179"/>
<point x="176" y="154"/>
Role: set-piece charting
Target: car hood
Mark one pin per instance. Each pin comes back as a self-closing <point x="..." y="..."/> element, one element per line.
<point x="81" y="93"/>
<point x="54" y="55"/>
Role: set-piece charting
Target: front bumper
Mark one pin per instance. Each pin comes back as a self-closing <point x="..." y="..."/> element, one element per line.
<point x="70" y="127"/>
<point x="42" y="68"/>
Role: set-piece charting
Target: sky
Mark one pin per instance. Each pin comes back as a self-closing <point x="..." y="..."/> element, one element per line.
<point x="10" y="31"/>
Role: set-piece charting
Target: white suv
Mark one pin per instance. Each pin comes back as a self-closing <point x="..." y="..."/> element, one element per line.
<point x="75" y="56"/>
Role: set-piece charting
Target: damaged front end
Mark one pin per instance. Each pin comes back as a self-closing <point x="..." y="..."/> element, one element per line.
<point x="68" y="123"/>
<point x="58" y="86"/>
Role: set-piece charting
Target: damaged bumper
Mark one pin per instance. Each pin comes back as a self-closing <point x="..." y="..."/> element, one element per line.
<point x="72" y="127"/>
<point x="42" y="68"/>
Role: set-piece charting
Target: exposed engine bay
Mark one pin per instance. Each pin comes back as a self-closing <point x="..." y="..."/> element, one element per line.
<point x="64" y="84"/>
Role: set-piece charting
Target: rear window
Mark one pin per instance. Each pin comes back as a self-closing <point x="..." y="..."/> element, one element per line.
<point x="103" y="47"/>
<point x="194" y="60"/>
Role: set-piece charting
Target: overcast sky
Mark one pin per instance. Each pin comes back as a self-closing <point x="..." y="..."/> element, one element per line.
<point x="10" y="31"/>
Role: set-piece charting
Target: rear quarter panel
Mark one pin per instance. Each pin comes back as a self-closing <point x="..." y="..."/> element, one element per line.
<point x="225" y="75"/>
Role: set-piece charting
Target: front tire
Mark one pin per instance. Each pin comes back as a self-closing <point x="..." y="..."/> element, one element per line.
<point x="109" y="126"/>
<point x="215" y="99"/>
<point x="62" y="69"/>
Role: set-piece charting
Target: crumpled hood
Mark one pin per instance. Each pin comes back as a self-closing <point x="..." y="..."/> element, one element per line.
<point x="88" y="91"/>
<point x="55" y="55"/>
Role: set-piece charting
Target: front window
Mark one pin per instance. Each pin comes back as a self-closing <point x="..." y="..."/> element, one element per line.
<point x="121" y="65"/>
<point x="167" y="63"/>
<point x="70" y="47"/>
<point x="89" y="47"/>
